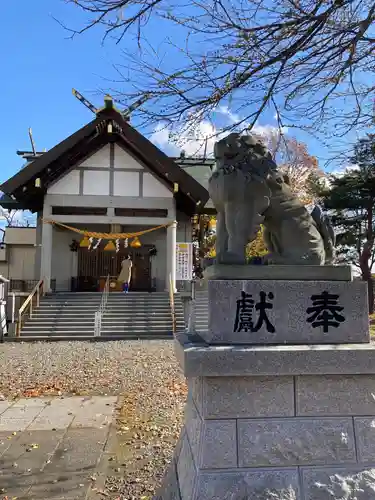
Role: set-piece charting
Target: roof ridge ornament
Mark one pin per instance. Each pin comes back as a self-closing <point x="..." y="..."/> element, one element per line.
<point x="108" y="104"/>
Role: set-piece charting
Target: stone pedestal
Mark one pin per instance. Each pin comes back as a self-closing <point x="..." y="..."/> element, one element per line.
<point x="280" y="422"/>
<point x="275" y="422"/>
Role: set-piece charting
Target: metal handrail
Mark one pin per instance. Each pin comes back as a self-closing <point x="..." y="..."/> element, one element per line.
<point x="192" y="309"/>
<point x="102" y="307"/>
<point x="172" y="305"/>
<point x="3" y="320"/>
<point x="27" y="306"/>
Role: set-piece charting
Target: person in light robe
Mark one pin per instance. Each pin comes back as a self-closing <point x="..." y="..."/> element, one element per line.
<point x="125" y="275"/>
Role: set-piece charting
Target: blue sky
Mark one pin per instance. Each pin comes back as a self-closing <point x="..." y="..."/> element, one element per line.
<point x="40" y="65"/>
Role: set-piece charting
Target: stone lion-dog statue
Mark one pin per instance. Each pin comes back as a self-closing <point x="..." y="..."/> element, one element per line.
<point x="248" y="190"/>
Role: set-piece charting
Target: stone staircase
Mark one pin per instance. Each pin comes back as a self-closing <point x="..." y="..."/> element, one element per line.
<point x="128" y="316"/>
<point x="201" y="311"/>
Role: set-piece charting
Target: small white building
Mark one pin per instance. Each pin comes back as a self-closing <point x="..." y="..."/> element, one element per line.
<point x="107" y="178"/>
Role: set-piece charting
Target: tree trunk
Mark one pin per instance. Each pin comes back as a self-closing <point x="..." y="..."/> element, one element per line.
<point x="366" y="273"/>
<point x="370" y="291"/>
<point x="367" y="250"/>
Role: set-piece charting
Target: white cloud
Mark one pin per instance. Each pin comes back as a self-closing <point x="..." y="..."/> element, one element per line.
<point x="205" y="134"/>
<point x="161" y="137"/>
<point x="345" y="169"/>
<point x="265" y="130"/>
<point x="232" y="117"/>
<point x="192" y="142"/>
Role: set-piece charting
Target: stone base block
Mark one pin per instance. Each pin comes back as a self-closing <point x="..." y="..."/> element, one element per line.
<point x="333" y="483"/>
<point x="287" y="312"/>
<point x="254" y="438"/>
<point x="294" y="433"/>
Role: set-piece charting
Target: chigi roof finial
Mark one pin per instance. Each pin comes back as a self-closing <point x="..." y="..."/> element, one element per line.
<point x="108" y="102"/>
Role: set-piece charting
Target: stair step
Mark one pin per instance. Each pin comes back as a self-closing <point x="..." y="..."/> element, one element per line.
<point x="90" y="331"/>
<point x="105" y="324"/>
<point x="116" y="319"/>
<point x="114" y="307"/>
<point x="75" y="306"/>
<point x="132" y="316"/>
<point x="114" y="314"/>
<point x="109" y="304"/>
<point x="35" y="338"/>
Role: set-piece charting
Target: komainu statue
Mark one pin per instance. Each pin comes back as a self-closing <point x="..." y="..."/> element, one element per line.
<point x="247" y="190"/>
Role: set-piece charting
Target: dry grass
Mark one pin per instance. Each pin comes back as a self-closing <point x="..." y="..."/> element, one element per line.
<point x="151" y="390"/>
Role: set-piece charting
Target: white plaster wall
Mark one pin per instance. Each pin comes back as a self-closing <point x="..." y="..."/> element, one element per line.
<point x="98" y="159"/>
<point x="126" y="184"/>
<point x="62" y="259"/>
<point x="3" y="254"/>
<point x="4" y="269"/>
<point x="69" y="184"/>
<point x="20" y="236"/>
<point x="153" y="187"/>
<point x="20" y="264"/>
<point x="96" y="182"/>
<point x="38" y="249"/>
<point x="125" y="160"/>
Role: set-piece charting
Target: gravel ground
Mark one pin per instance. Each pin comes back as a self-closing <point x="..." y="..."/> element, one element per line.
<point x="144" y="374"/>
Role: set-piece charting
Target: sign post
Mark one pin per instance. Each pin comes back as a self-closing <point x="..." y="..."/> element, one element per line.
<point x="184" y="261"/>
<point x="184" y="272"/>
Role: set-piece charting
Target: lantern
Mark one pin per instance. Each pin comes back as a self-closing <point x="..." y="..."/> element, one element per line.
<point x="136" y="243"/>
<point x="110" y="246"/>
<point x="85" y="243"/>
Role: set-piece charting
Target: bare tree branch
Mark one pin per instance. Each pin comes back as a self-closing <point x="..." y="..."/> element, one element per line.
<point x="314" y="58"/>
<point x="14" y="218"/>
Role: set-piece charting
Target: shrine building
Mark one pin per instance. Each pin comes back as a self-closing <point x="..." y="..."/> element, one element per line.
<point x="101" y="194"/>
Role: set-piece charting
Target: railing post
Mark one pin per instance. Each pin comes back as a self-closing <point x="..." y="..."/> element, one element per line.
<point x="19" y="325"/>
<point x="99" y="313"/>
<point x="28" y="304"/>
<point x="171" y="303"/>
<point x="38" y="297"/>
<point x="192" y="311"/>
<point x="13" y="307"/>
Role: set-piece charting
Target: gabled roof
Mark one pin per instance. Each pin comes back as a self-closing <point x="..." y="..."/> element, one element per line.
<point x="201" y="172"/>
<point x="9" y="204"/>
<point x="22" y="187"/>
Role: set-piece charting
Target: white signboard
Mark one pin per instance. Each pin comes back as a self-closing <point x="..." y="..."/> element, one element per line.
<point x="184" y="261"/>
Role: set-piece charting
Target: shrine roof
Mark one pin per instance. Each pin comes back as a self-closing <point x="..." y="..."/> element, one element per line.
<point x="27" y="188"/>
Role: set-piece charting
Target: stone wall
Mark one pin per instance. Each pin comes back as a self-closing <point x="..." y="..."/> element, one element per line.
<point x="308" y="437"/>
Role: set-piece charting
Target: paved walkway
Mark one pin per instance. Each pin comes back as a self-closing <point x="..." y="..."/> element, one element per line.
<point x="50" y="448"/>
